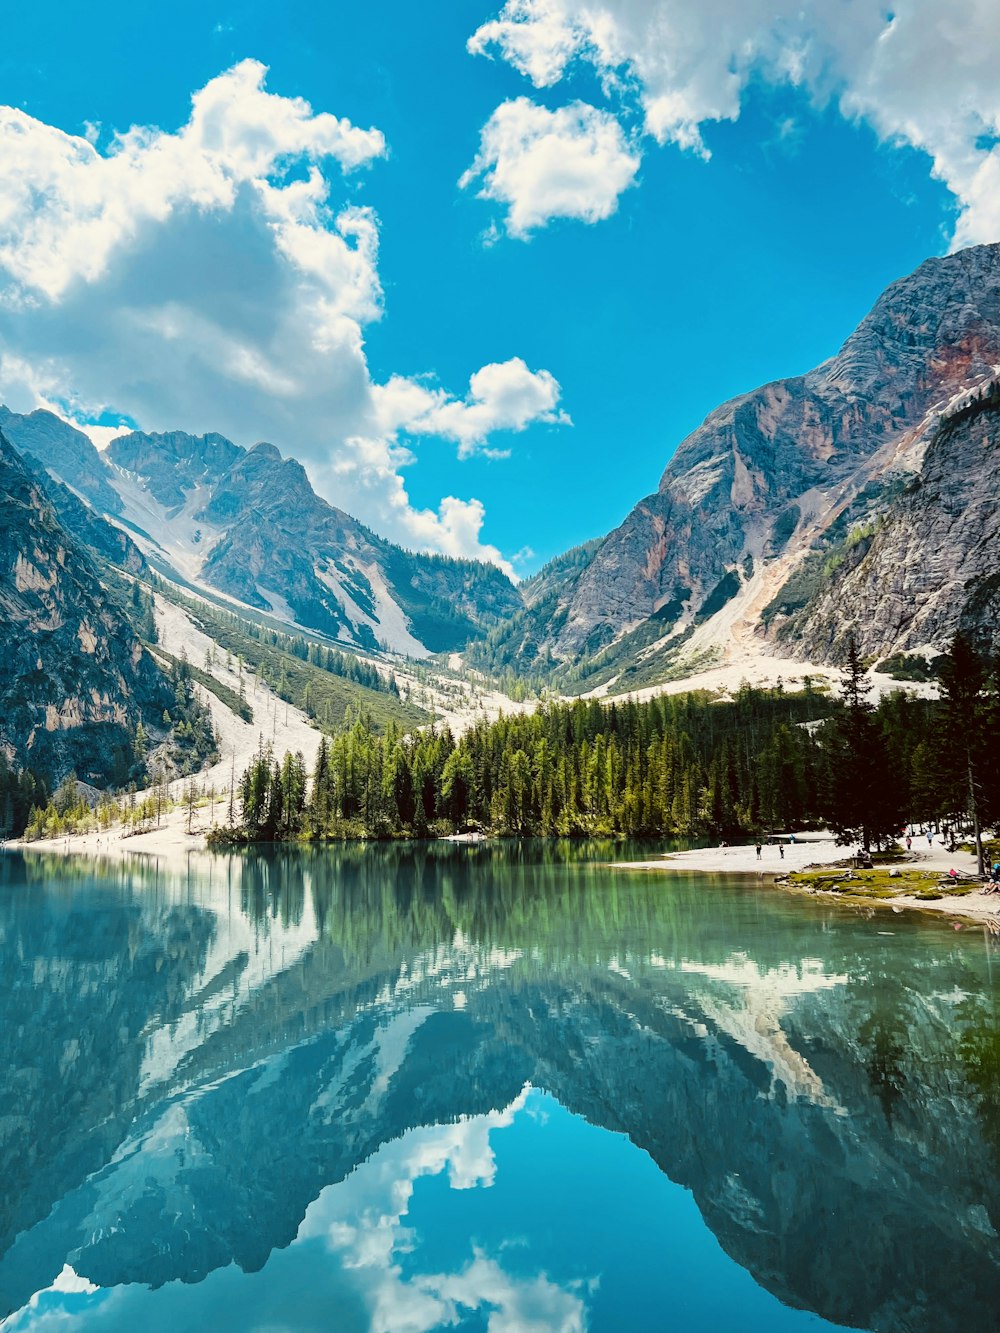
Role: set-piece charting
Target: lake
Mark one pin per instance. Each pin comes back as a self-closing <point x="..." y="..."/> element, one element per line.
<point x="504" y="1087"/>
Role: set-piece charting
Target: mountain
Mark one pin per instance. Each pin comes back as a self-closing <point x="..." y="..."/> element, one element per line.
<point x="784" y="482"/>
<point x="855" y="498"/>
<point x="74" y="679"/>
<point x="247" y="523"/>
<point x="522" y="643"/>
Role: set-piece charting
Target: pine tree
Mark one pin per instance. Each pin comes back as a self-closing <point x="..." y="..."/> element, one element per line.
<point x="963" y="684"/>
<point x="862" y="801"/>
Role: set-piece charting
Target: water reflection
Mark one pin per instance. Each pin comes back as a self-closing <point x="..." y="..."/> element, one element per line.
<point x="203" y="1067"/>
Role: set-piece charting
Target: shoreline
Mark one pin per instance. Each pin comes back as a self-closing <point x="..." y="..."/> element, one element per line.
<point x="171" y="842"/>
<point x="168" y="841"/>
<point x="818" y="850"/>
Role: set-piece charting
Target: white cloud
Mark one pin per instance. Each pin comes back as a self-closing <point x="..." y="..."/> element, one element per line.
<point x="84" y="206"/>
<point x="365" y="478"/>
<point x="570" y="163"/>
<point x="538" y="37"/>
<point x="219" y="278"/>
<point x="921" y="73"/>
<point x="505" y="395"/>
<point x="364" y="1222"/>
<point x="366" y="475"/>
<point x="101" y="436"/>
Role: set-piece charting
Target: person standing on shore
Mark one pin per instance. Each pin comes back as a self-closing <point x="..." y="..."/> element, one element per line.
<point x="757" y="849"/>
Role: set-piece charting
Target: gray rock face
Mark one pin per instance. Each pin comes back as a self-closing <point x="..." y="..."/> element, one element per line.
<point x="810" y="444"/>
<point x="86" y="526"/>
<point x="174" y="463"/>
<point x="74" y="680"/>
<point x="930" y="568"/>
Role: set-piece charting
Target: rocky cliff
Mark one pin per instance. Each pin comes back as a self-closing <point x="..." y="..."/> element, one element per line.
<point x="74" y="680"/>
<point x="762" y="483"/>
<point x="926" y="565"/>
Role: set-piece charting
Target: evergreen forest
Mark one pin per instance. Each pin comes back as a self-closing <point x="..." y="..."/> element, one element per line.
<point x="681" y="765"/>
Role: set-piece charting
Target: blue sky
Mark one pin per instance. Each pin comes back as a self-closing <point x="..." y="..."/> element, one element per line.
<point x="780" y="177"/>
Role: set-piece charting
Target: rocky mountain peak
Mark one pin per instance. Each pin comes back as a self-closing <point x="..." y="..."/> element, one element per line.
<point x="173" y="463"/>
<point x="65" y="453"/>
<point x="267" y="451"/>
<point x="248" y="523"/>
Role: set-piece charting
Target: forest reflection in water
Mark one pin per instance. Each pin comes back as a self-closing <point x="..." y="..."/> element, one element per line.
<point x="208" y="1064"/>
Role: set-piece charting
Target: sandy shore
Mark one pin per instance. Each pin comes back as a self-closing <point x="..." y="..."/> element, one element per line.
<point x="808" y="849"/>
<point x="171" y="841"/>
<point x="819" y="849"/>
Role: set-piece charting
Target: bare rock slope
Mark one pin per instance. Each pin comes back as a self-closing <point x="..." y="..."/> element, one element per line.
<point x="931" y="564"/>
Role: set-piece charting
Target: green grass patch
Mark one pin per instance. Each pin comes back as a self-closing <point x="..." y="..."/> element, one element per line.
<point x="925" y="885"/>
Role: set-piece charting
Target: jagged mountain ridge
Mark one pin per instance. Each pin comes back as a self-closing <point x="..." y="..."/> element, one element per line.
<point x="64" y="453"/>
<point x="755" y="512"/>
<point x="760" y="484"/>
<point x="247" y="523"/>
<point x="74" y="679"/>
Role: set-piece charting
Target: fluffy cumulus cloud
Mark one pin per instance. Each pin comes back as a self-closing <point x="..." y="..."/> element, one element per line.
<point x="573" y="162"/>
<point x="369" y="467"/>
<point x="921" y="73"/>
<point x="503" y="396"/>
<point x="365" y="477"/>
<point x="85" y="206"/>
<point x="219" y="277"/>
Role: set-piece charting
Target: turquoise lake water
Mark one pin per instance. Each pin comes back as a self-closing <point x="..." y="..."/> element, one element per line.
<point x="506" y="1087"/>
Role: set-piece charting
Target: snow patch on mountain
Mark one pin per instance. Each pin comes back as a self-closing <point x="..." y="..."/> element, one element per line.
<point x="279" y="606"/>
<point x="389" y="624"/>
<point x="395" y="625"/>
<point x="179" y="536"/>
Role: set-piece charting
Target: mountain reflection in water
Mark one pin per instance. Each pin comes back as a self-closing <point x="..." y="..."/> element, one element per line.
<point x="412" y="1082"/>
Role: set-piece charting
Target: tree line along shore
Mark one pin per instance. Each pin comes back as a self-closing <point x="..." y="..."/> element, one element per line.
<point x="680" y="765"/>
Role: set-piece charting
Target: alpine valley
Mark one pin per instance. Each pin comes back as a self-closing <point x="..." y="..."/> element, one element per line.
<point x="858" y="499"/>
